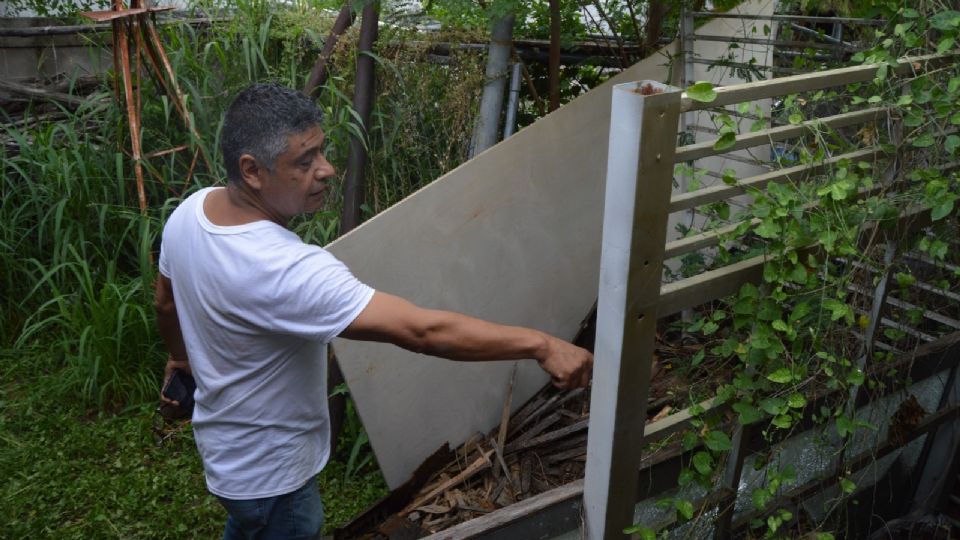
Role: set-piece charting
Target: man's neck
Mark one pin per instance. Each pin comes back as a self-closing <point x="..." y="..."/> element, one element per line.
<point x="237" y="205"/>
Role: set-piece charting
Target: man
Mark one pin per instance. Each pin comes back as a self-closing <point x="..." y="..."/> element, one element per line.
<point x="248" y="307"/>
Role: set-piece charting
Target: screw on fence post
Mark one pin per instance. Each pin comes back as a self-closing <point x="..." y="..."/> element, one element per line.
<point x="643" y="134"/>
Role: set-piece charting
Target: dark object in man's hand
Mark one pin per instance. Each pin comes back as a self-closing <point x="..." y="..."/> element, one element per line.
<point x="179" y="388"/>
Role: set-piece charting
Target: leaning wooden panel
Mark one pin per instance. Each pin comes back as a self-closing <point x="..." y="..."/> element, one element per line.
<point x="512" y="236"/>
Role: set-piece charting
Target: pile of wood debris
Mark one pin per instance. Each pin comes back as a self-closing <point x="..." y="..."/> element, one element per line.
<point x="540" y="447"/>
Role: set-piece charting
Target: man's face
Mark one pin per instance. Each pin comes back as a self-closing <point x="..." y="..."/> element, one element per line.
<point x="300" y="177"/>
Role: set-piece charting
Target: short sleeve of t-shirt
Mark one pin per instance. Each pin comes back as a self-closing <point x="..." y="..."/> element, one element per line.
<point x="317" y="296"/>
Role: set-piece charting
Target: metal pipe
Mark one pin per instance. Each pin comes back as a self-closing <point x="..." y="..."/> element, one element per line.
<point x="513" y="101"/>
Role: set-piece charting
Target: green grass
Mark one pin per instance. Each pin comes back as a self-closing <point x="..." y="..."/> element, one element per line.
<point x="72" y="472"/>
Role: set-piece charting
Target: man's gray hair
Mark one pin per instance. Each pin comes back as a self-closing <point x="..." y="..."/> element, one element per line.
<point x="259" y="121"/>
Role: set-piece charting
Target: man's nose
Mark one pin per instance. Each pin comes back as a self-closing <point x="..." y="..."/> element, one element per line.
<point x="326" y="169"/>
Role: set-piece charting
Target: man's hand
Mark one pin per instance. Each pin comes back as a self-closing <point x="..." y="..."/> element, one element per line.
<point x="569" y="366"/>
<point x="167" y="373"/>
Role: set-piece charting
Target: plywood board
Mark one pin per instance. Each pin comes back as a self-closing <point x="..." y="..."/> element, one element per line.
<point x="511" y="236"/>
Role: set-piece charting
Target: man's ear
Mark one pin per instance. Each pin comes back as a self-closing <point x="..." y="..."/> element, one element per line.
<point x="250" y="171"/>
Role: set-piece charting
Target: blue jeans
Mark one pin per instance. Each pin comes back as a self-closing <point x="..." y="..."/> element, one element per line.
<point x="295" y="515"/>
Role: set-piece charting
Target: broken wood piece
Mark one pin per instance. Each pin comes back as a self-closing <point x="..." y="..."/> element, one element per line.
<point x="505" y="420"/>
<point x="526" y="471"/>
<point x="433" y="509"/>
<point x="506" y="470"/>
<point x="539" y="428"/>
<point x="664" y="412"/>
<point x="480" y="464"/>
<point x="548" y="437"/>
<point x="563" y="456"/>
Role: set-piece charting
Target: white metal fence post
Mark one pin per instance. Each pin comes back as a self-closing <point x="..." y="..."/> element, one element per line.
<point x="643" y="138"/>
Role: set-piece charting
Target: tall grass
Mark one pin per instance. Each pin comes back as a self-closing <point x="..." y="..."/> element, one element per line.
<point x="77" y="258"/>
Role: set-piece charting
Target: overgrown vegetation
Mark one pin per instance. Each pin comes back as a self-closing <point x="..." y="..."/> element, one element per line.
<point x="790" y="341"/>
<point x="82" y="355"/>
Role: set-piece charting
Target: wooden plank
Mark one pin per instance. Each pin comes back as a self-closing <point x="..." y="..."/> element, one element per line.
<point x="766" y="136"/>
<point x="696" y="290"/>
<point x="547" y="437"/>
<point x="781" y="43"/>
<point x="635" y="210"/>
<point x="513" y="513"/>
<point x="478" y="465"/>
<point x="790" y="18"/>
<point x="797" y="173"/>
<point x="806" y="82"/>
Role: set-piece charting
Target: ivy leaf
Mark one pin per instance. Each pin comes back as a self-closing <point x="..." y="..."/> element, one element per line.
<point x="797" y="401"/>
<point x="855" y="377"/>
<point x="760" y="498"/>
<point x="945" y="45"/>
<point x="847" y="486"/>
<point x="646" y="533"/>
<point x="845" y="426"/>
<point x="685" y="508"/>
<point x="748" y="413"/>
<point x="951" y="143"/>
<point x="942" y="210"/>
<point x="955" y="118"/>
<point x="780" y="326"/>
<point x="924" y="141"/>
<point x="725" y="141"/>
<point x="795" y="118"/>
<point x="783" y="421"/>
<point x="702" y="91"/>
<point x="781" y="376"/>
<point x="717" y="441"/>
<point x="768" y="229"/>
<point x="698" y="358"/>
<point x="773" y="405"/>
<point x="838" y="310"/>
<point x="703" y="463"/>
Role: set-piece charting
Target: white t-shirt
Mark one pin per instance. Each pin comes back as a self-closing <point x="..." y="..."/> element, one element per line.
<point x="257" y="307"/>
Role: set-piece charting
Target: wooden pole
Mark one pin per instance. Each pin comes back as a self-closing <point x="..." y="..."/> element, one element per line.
<point x="353" y="188"/>
<point x="554" y="66"/>
<point x="643" y="134"/>
<point x="319" y="73"/>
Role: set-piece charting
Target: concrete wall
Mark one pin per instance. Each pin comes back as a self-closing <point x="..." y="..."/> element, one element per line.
<point x="512" y="236"/>
<point x="49" y="57"/>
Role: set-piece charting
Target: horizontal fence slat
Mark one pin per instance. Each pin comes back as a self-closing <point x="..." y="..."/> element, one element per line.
<point x="702" y="240"/>
<point x="765" y="136"/>
<point x="790" y="18"/>
<point x="778" y="43"/>
<point x="702" y="288"/>
<point x="798" y="173"/>
<point x="736" y="93"/>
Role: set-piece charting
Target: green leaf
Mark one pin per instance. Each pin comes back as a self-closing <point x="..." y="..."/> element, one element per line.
<point x="760" y="498"/>
<point x="797" y="401"/>
<point x="727" y="140"/>
<point x="717" y="441"/>
<point x="945" y="45"/>
<point x="847" y="486"/>
<point x="845" y="426"/>
<point x="781" y="376"/>
<point x="702" y="91"/>
<point x="780" y="326"/>
<point x="698" y="358"/>
<point x="773" y="405"/>
<point x="855" y="377"/>
<point x="795" y="118"/>
<point x="646" y="533"/>
<point x="684" y="508"/>
<point x="783" y="421"/>
<point x="905" y="99"/>
<point x="825" y="536"/>
<point x="748" y="413"/>
<point x="923" y="141"/>
<point x="703" y="463"/>
<point x="942" y="210"/>
<point x="951" y="143"/>
<point x="768" y="229"/>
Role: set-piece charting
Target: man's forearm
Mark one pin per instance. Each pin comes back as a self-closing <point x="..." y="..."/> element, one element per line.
<point x="460" y="337"/>
<point x="169" y="326"/>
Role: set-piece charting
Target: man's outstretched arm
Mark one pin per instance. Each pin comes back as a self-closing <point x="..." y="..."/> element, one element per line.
<point x="446" y="334"/>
